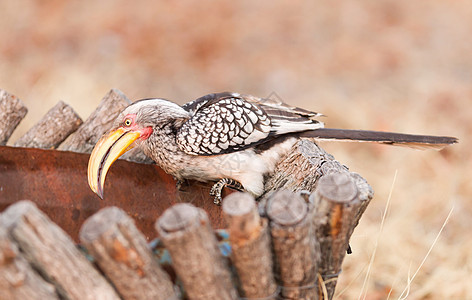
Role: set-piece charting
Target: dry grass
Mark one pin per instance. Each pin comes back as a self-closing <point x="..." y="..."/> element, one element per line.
<point x="385" y="65"/>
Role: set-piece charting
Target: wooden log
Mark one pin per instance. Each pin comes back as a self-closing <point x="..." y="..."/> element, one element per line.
<point x="99" y="122"/>
<point x="12" y="111"/>
<point x="58" y="123"/>
<point x="250" y="247"/>
<point x="196" y="258"/>
<point x="122" y="253"/>
<point x="50" y="251"/>
<point x="294" y="245"/>
<point x="338" y="209"/>
<point x="301" y="168"/>
<point x="18" y="280"/>
<point x="305" y="164"/>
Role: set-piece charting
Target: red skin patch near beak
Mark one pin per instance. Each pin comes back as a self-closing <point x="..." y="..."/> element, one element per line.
<point x="145" y="132"/>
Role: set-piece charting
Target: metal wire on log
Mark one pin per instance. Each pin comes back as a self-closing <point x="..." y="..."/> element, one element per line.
<point x="338" y="209"/>
<point x="122" y="253"/>
<point x="12" y="111"/>
<point x="18" y="280"/>
<point x="55" y="126"/>
<point x="250" y="247"/>
<point x="186" y="233"/>
<point x="294" y="245"/>
<point x="52" y="252"/>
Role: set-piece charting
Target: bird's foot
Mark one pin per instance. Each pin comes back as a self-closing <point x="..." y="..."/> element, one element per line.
<point x="217" y="188"/>
<point x="181" y="184"/>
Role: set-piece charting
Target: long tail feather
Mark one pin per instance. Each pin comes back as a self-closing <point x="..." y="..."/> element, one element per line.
<point x="391" y="138"/>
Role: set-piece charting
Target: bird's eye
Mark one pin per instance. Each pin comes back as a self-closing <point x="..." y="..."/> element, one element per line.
<point x="128" y="122"/>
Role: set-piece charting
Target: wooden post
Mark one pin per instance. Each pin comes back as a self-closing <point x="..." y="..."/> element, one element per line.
<point x="294" y="245"/>
<point x="301" y="169"/>
<point x="337" y="212"/>
<point x="196" y="258"/>
<point x="99" y="122"/>
<point x="12" y="111"/>
<point x="122" y="253"/>
<point x="250" y="247"/>
<point x="18" y="280"/>
<point x="50" y="251"/>
<point x="58" y="123"/>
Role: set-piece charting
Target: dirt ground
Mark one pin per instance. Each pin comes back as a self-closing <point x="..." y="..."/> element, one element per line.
<point x="386" y="65"/>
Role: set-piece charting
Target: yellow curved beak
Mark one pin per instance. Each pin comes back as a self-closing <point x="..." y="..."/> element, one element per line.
<point x="108" y="149"/>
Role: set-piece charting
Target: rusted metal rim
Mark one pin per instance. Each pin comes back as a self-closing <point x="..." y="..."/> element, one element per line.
<point x="57" y="182"/>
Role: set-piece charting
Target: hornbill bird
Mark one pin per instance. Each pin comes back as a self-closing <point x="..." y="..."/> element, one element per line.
<point x="231" y="139"/>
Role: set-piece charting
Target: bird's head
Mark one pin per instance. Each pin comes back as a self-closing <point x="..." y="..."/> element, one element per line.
<point x="133" y="126"/>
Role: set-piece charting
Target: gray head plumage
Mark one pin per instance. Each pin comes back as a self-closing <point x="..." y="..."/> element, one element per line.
<point x="154" y="112"/>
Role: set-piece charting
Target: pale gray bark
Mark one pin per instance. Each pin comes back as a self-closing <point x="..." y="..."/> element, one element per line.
<point x="53" y="253"/>
<point x="294" y="245"/>
<point x="55" y="126"/>
<point x="196" y="258"/>
<point x="250" y="246"/>
<point x="18" y="280"/>
<point x="99" y="122"/>
<point x="12" y="111"/>
<point x="122" y="253"/>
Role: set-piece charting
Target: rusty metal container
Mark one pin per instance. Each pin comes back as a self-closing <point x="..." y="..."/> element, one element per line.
<point x="57" y="182"/>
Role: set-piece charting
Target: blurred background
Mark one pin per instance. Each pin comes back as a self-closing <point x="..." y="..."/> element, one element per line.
<point x="385" y="65"/>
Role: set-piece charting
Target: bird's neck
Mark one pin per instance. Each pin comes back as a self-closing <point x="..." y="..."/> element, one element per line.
<point x="163" y="149"/>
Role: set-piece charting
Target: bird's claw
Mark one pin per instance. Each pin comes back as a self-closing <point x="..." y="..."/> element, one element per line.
<point x="217" y="200"/>
<point x="181" y="184"/>
<point x="217" y="188"/>
<point x="215" y="191"/>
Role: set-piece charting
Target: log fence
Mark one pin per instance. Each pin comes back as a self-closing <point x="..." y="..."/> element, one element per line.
<point x="289" y="244"/>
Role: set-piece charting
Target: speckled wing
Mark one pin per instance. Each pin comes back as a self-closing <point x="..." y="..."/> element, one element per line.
<point x="286" y="118"/>
<point x="222" y="123"/>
